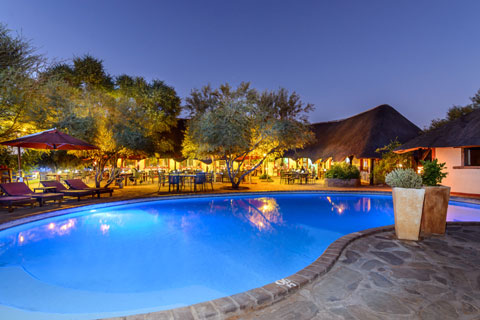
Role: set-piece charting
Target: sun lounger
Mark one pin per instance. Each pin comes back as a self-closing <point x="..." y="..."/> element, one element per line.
<point x="60" y="188"/>
<point x="78" y="184"/>
<point x="21" y="189"/>
<point x="11" y="201"/>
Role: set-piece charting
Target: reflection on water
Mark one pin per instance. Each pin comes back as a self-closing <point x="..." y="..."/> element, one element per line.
<point x="49" y="230"/>
<point x="59" y="229"/>
<point x="262" y="213"/>
<point x="363" y="204"/>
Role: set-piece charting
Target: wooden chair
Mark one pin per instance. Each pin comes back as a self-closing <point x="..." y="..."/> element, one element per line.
<point x="60" y="188"/>
<point x="284" y="177"/>
<point x="78" y="184"/>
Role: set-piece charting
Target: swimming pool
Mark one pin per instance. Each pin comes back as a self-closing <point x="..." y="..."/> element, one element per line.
<point x="148" y="256"/>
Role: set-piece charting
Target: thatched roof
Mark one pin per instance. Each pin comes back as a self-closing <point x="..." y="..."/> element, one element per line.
<point x="462" y="132"/>
<point x="358" y="136"/>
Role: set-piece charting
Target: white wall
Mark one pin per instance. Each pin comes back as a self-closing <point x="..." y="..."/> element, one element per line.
<point x="460" y="180"/>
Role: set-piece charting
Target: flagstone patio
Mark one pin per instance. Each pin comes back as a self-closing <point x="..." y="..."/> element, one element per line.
<point x="379" y="277"/>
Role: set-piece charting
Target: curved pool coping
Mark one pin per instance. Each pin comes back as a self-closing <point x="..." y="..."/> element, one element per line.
<point x="235" y="305"/>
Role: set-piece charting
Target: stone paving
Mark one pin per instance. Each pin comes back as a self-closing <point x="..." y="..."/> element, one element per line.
<point x="379" y="277"/>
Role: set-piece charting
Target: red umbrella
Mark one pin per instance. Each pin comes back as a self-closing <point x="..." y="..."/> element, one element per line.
<point x="48" y="139"/>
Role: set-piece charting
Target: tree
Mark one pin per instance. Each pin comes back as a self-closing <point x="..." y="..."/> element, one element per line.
<point x="129" y="116"/>
<point x="233" y="124"/>
<point x="19" y="65"/>
<point x="456" y="112"/>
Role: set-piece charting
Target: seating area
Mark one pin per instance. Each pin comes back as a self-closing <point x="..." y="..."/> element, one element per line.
<point x="297" y="177"/>
<point x="178" y="182"/>
<point x="18" y="194"/>
<point x="62" y="187"/>
<point x="56" y="186"/>
<point x="21" y="189"/>
<point x="78" y="184"/>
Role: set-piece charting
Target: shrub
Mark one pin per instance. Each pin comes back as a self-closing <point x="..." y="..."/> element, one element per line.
<point x="432" y="172"/>
<point x="343" y="171"/>
<point x="404" y="178"/>
<point x="390" y="160"/>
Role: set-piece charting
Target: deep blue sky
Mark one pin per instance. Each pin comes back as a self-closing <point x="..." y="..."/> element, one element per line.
<point x="343" y="56"/>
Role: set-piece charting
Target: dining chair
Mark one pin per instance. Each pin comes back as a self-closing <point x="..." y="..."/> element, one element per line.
<point x="174" y="179"/>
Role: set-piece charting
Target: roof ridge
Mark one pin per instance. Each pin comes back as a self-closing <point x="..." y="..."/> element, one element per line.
<point x="359" y="114"/>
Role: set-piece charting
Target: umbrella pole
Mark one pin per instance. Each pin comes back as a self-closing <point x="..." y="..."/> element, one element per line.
<point x="19" y="178"/>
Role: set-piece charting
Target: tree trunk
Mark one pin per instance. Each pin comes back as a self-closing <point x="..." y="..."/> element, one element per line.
<point x="114" y="173"/>
<point x="100" y="168"/>
<point x="98" y="177"/>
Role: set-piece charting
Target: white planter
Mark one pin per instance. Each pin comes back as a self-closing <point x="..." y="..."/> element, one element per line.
<point x="408" y="206"/>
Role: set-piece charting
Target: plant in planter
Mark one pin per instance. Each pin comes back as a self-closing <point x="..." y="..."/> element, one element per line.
<point x="435" y="206"/>
<point x="342" y="175"/>
<point x="407" y="202"/>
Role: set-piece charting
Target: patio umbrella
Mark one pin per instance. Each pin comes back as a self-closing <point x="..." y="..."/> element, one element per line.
<point x="48" y="139"/>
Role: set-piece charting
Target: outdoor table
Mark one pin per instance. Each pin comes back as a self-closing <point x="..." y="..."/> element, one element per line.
<point x="303" y="176"/>
<point x="45" y="189"/>
<point x="292" y="176"/>
<point x="125" y="177"/>
<point x="183" y="178"/>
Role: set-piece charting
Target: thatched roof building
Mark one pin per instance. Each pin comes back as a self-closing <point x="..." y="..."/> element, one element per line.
<point x="358" y="136"/>
<point x="462" y="132"/>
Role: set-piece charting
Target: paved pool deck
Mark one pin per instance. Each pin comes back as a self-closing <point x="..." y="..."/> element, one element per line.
<point x="380" y="277"/>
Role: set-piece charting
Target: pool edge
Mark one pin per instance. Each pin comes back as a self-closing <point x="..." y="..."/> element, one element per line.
<point x="234" y="306"/>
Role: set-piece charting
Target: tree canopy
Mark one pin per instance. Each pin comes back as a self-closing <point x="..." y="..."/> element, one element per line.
<point x="233" y="124"/>
<point x="19" y="64"/>
<point x="122" y="115"/>
<point x="456" y="112"/>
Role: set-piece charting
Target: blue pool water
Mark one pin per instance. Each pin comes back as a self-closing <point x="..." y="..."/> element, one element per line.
<point x="155" y="255"/>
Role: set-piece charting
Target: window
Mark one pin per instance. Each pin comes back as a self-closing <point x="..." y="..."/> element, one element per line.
<point x="472" y="156"/>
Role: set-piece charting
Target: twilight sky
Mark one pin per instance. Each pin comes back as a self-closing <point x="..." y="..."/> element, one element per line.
<point x="421" y="57"/>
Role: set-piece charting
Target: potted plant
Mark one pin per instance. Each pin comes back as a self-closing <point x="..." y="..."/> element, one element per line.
<point x="342" y="175"/>
<point x="408" y="197"/>
<point x="435" y="206"/>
